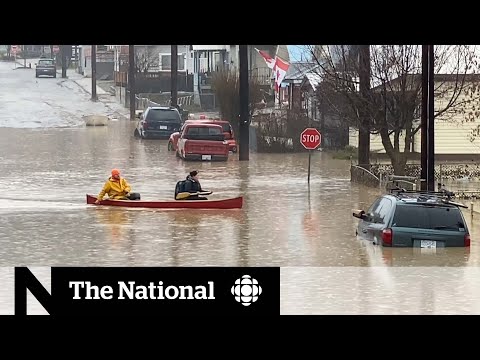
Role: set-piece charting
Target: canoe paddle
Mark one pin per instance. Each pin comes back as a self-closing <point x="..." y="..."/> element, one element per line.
<point x="184" y="195"/>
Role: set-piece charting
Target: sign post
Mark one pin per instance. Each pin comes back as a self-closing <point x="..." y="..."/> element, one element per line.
<point x="13" y="49"/>
<point x="311" y="139"/>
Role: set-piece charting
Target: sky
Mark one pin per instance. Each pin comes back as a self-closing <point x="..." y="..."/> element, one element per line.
<point x="298" y="52"/>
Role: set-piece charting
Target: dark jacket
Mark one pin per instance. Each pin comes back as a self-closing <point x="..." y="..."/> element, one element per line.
<point x="191" y="185"/>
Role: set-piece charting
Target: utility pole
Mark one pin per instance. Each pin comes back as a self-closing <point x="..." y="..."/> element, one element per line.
<point x="64" y="61"/>
<point x="131" y="79"/>
<point x="428" y="119"/>
<point x="244" y="128"/>
<point x="174" y="75"/>
<point x="94" y="72"/>
<point x="431" y="121"/>
<point x="364" y="128"/>
<point x="424" y="121"/>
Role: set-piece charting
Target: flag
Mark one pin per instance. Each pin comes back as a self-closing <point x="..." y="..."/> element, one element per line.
<point x="280" y="69"/>
<point x="268" y="59"/>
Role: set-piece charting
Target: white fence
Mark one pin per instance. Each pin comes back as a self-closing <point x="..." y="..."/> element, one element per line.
<point x="142" y="103"/>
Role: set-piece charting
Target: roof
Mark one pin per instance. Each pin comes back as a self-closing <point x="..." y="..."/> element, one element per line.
<point x="298" y="69"/>
<point x="202" y="123"/>
<point x="313" y="79"/>
<point x="440" y="198"/>
<point x="208" y="121"/>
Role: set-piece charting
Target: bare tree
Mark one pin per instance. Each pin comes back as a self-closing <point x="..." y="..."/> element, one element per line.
<point x="394" y="101"/>
<point x="145" y="58"/>
<point x="226" y="87"/>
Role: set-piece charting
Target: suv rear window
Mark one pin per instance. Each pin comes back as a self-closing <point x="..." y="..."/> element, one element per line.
<point x="163" y="115"/>
<point x="428" y="217"/>
<point x="45" y="62"/>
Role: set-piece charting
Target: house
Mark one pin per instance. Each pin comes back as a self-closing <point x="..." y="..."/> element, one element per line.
<point x="105" y="61"/>
<point x="454" y="135"/>
<point x="335" y="133"/>
<point x="208" y="59"/>
<point x="291" y="87"/>
<point x="153" y="70"/>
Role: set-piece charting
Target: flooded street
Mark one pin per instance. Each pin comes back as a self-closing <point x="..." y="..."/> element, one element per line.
<point x="49" y="160"/>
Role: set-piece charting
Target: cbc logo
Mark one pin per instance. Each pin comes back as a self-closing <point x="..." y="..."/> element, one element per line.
<point x="246" y="290"/>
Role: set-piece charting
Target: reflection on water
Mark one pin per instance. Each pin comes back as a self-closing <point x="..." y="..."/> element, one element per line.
<point x="45" y="175"/>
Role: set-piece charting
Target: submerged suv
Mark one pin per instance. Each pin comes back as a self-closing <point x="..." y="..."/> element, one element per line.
<point x="414" y="219"/>
<point x="158" y="122"/>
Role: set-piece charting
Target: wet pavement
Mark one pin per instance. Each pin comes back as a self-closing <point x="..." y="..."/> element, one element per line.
<point x="49" y="160"/>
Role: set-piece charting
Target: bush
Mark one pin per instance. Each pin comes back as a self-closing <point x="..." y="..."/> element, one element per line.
<point x="280" y="131"/>
<point x="347" y="153"/>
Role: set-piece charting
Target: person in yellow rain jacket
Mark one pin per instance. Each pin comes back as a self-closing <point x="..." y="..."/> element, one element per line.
<point x="117" y="188"/>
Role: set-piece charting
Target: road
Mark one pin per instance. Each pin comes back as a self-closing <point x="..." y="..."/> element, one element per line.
<point x="28" y="102"/>
<point x="49" y="160"/>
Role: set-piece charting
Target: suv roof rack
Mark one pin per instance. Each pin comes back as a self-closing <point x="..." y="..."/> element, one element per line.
<point x="442" y="197"/>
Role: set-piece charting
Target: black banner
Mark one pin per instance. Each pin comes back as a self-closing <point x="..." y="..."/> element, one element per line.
<point x="152" y="291"/>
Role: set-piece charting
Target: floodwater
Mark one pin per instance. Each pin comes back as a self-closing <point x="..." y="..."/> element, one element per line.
<point x="49" y="162"/>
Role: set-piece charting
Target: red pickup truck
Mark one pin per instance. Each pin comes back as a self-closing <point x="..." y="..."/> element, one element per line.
<point x="227" y="131"/>
<point x="201" y="141"/>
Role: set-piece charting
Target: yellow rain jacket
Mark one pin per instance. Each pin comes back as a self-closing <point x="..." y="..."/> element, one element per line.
<point x="115" y="189"/>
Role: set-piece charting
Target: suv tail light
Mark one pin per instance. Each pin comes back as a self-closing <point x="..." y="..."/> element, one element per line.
<point x="466" y="240"/>
<point x="145" y="125"/>
<point x="387" y="237"/>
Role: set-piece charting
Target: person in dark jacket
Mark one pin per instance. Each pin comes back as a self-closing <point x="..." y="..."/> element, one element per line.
<point x="191" y="185"/>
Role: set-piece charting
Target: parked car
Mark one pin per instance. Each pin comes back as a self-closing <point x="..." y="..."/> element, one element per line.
<point x="46" y="67"/>
<point x="158" y="122"/>
<point x="414" y="219"/>
<point x="229" y="135"/>
<point x="201" y="141"/>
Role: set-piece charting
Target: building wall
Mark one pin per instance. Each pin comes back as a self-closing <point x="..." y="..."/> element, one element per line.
<point x="105" y="63"/>
<point x="157" y="52"/>
<point x="453" y="135"/>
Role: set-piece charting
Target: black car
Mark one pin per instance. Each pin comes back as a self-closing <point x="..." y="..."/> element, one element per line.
<point x="46" y="67"/>
<point x="158" y="122"/>
<point x="414" y="219"/>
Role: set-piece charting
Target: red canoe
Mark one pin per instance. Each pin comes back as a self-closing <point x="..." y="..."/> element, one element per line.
<point x="234" y="203"/>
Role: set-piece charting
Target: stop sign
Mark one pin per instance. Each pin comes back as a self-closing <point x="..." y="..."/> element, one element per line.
<point x="310" y="138"/>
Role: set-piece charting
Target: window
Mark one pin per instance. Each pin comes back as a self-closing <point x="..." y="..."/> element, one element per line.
<point x="226" y="127"/>
<point x="383" y="209"/>
<point x="163" y="115"/>
<point x="204" y="131"/>
<point x="374" y="207"/>
<point x="166" y="62"/>
<point x="428" y="217"/>
<point x="45" y="62"/>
